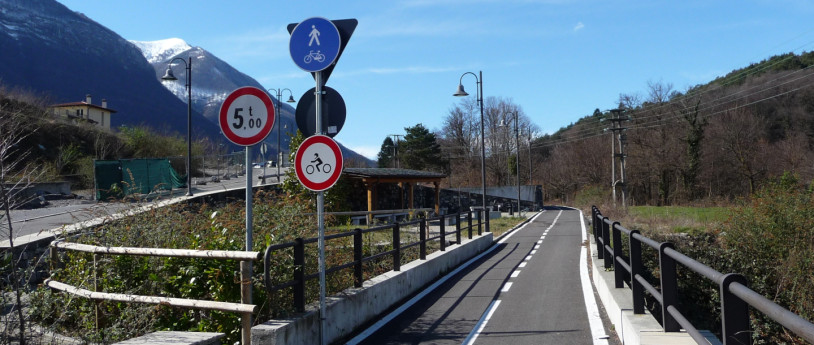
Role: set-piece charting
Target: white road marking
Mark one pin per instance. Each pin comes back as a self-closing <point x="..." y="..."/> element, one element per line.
<point x="533" y="252"/>
<point x="522" y="264"/>
<point x="482" y="323"/>
<point x="515" y="273"/>
<point x="389" y="317"/>
<point x="594" y="319"/>
<point x="506" y="287"/>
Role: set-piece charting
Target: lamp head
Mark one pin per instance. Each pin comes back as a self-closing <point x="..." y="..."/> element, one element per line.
<point x="460" y="92"/>
<point x="291" y="99"/>
<point x="168" y="75"/>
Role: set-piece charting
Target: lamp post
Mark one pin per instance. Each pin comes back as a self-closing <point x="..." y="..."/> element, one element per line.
<point x="277" y="111"/>
<point x="516" y="158"/>
<point x="170" y="77"/>
<point x="479" y="96"/>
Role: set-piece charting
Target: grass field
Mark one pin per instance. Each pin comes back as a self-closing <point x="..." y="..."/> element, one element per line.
<point x="676" y="218"/>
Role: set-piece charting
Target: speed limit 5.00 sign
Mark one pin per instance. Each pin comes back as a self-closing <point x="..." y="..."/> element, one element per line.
<point x="318" y="163"/>
<point x="246" y="116"/>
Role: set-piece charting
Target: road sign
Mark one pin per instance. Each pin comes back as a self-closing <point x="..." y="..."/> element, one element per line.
<point x="318" y="163"/>
<point x="246" y="116"/>
<point x="314" y="44"/>
<point x="333" y="112"/>
<point x="346" y="28"/>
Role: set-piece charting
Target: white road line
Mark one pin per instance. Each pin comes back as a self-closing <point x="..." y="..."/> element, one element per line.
<point x="489" y="311"/>
<point x="533" y="252"/>
<point x="506" y="287"/>
<point x="594" y="319"/>
<point x="528" y="258"/>
<point x="536" y="246"/>
<point x="515" y="273"/>
<point x="389" y="317"/>
<point x="482" y="323"/>
<point x="539" y="241"/>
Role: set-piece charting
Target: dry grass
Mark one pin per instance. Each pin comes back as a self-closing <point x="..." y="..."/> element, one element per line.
<point x="669" y="219"/>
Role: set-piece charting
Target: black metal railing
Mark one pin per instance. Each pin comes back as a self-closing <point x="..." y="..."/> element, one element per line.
<point x="735" y="295"/>
<point x="299" y="278"/>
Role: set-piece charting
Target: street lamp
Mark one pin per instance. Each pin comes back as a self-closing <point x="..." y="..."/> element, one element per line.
<point x="516" y="158"/>
<point x="170" y="77"/>
<point x="479" y="96"/>
<point x="280" y="124"/>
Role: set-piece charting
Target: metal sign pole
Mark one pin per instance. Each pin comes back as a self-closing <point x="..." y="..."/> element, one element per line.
<point x="248" y="199"/>
<point x="246" y="266"/>
<point x="320" y="217"/>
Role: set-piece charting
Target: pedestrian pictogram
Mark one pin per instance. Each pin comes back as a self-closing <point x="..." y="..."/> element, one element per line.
<point x="318" y="163"/>
<point x="315" y="44"/>
<point x="314" y="35"/>
<point x="246" y="116"/>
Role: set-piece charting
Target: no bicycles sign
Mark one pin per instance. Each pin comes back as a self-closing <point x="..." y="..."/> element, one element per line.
<point x="318" y="163"/>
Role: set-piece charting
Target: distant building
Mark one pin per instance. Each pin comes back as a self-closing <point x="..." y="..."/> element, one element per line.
<point x="85" y="111"/>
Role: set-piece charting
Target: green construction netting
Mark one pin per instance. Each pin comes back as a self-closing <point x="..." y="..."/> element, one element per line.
<point x="117" y="178"/>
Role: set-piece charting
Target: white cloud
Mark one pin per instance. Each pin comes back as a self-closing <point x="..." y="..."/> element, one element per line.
<point x="579" y="26"/>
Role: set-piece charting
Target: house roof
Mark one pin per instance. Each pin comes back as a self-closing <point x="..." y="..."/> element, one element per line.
<point x="393" y="175"/>
<point x="79" y="104"/>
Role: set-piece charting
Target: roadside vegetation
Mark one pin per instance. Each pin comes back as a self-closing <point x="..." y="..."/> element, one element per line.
<point x="767" y="238"/>
<point x="279" y="218"/>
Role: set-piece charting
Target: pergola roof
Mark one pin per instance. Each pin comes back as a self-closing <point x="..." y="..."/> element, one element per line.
<point x="391" y="175"/>
<point x="371" y="177"/>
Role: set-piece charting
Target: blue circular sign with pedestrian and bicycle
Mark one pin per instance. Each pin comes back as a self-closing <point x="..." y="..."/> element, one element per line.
<point x="314" y="44"/>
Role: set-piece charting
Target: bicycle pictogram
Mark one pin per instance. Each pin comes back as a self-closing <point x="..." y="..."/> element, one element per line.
<point x="319" y="57"/>
<point x="326" y="168"/>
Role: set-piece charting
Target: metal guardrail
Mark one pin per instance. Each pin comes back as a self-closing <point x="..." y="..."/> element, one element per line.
<point x="245" y="308"/>
<point x="299" y="278"/>
<point x="736" y="297"/>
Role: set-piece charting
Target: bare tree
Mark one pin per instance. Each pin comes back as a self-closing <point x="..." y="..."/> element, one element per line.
<point x="740" y="134"/>
<point x="15" y="178"/>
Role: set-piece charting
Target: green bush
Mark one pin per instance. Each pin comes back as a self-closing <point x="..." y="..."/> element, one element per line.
<point x="771" y="242"/>
<point x="276" y="220"/>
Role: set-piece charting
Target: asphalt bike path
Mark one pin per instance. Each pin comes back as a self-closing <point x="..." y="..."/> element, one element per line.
<point x="527" y="290"/>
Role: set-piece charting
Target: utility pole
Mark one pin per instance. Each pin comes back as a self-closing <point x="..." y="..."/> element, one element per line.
<point x="396" y="148"/>
<point x="618" y="134"/>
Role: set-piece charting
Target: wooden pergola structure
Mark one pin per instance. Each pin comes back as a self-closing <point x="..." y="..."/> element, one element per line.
<point x="405" y="178"/>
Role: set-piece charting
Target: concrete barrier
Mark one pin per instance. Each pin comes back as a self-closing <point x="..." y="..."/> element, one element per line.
<point x="357" y="306"/>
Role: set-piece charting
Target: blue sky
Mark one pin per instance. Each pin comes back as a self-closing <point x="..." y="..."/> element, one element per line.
<point x="557" y="59"/>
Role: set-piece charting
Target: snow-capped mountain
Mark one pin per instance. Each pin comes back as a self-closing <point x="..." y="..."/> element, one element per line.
<point x="163" y="50"/>
<point x="212" y="80"/>
<point x="61" y="55"/>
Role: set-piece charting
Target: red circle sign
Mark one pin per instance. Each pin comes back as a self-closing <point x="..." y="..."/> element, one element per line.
<point x="246" y="116"/>
<point x="318" y="163"/>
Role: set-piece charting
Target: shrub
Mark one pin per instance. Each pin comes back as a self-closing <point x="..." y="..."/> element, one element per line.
<point x="771" y="242"/>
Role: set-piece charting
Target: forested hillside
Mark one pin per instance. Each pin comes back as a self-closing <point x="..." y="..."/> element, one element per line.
<point x="709" y="143"/>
